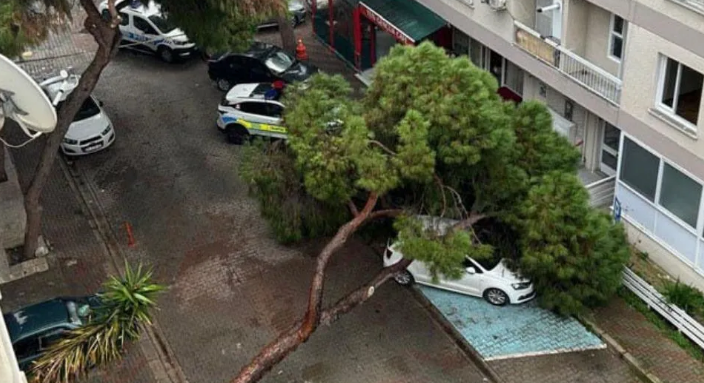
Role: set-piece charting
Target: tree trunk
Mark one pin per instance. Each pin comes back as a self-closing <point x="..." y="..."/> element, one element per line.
<point x="3" y="171"/>
<point x="299" y="333"/>
<point x="288" y="38"/>
<point x="108" y="37"/>
<point x="290" y="339"/>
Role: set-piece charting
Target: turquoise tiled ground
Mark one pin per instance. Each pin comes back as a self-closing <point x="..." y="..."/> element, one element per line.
<point x="510" y="331"/>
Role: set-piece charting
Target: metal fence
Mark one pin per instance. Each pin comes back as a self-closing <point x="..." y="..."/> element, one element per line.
<point x="657" y="302"/>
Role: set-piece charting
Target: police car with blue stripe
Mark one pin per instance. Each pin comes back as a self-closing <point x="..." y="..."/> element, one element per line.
<point x="251" y="110"/>
<point x="145" y="28"/>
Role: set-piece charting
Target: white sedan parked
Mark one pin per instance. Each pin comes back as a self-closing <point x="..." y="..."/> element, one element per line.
<point x="499" y="285"/>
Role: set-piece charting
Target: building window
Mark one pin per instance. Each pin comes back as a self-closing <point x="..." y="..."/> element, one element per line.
<point x="639" y="169"/>
<point x="680" y="90"/>
<point x="680" y="195"/>
<point x="513" y="77"/>
<point x="460" y="42"/>
<point x="616" y="33"/>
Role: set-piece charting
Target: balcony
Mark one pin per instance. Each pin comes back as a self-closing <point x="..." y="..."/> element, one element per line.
<point x="568" y="63"/>
<point x="600" y="187"/>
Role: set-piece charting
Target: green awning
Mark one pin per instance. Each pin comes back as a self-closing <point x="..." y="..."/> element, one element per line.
<point x="407" y="20"/>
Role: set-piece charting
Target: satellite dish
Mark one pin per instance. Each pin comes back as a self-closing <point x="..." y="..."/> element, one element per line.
<point x="22" y="100"/>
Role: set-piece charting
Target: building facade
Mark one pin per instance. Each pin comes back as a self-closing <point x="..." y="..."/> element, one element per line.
<point x="623" y="81"/>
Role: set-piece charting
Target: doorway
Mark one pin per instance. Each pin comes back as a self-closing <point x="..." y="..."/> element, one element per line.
<point x="610" y="141"/>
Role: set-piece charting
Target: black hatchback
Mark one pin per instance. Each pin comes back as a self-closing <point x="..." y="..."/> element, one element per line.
<point x="261" y="63"/>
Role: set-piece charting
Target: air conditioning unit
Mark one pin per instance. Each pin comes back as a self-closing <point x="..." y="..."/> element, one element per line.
<point x="497" y="5"/>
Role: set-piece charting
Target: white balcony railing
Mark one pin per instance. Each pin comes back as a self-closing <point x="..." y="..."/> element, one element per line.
<point x="579" y="69"/>
<point x="695" y="5"/>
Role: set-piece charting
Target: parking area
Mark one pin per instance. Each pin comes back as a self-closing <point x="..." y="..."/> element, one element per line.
<point x="511" y="331"/>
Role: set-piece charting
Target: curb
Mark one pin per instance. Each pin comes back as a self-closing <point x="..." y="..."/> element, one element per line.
<point x="450" y="331"/>
<point x="631" y="360"/>
<point x="160" y="357"/>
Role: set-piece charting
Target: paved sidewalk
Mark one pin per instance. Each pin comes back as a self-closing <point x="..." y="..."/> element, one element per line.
<point x="656" y="353"/>
<point x="78" y="262"/>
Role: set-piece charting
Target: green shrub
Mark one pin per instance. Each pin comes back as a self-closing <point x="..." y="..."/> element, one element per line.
<point x="685" y="297"/>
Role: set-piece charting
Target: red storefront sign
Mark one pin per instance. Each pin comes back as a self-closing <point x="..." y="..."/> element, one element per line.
<point x="375" y="18"/>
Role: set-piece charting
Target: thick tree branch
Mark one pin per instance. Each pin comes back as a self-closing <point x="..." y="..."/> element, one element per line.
<point x="387" y="213"/>
<point x="362" y="294"/>
<point x="383" y="147"/>
<point x="289" y="340"/>
<point x="469" y="221"/>
<point x="353" y="208"/>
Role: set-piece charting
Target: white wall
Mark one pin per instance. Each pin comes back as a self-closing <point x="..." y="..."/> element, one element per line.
<point x="674" y="10"/>
<point x="597" y="39"/>
<point x="640" y="84"/>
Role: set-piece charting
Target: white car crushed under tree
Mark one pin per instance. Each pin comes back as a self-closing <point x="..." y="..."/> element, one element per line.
<point x="491" y="280"/>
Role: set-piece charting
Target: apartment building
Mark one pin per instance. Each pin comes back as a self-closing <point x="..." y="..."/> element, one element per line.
<point x="623" y="80"/>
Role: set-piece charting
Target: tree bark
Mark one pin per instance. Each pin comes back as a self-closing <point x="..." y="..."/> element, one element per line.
<point x="288" y="38"/>
<point x="3" y="171"/>
<point x="299" y="332"/>
<point x="108" y="37"/>
<point x="289" y="340"/>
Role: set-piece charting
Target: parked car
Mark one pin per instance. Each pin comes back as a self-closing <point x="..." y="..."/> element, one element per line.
<point x="251" y="109"/>
<point x="32" y="329"/>
<point x="491" y="280"/>
<point x="298" y="15"/>
<point x="91" y="130"/>
<point x="262" y="63"/>
<point x="145" y="28"/>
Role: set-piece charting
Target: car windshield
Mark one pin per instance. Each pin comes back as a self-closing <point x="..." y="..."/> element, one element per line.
<point x="88" y="109"/>
<point x="279" y="61"/>
<point x="161" y="23"/>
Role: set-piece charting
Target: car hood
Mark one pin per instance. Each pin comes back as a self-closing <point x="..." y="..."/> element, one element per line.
<point x="89" y="127"/>
<point x="299" y="72"/>
<point x="502" y="271"/>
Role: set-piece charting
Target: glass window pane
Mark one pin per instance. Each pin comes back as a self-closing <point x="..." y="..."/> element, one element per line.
<point x="680" y="195"/>
<point x="475" y="53"/>
<point x="460" y="42"/>
<point x="513" y="77"/>
<point x="669" y="79"/>
<point x="689" y="96"/>
<point x="612" y="136"/>
<point x="618" y="25"/>
<point x="616" y="46"/>
<point x="639" y="169"/>
<point x="609" y="159"/>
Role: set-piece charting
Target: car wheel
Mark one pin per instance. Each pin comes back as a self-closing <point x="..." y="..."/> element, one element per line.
<point x="294" y="21"/>
<point x="404" y="278"/>
<point x="166" y="54"/>
<point x="496" y="297"/>
<point x="223" y="85"/>
<point x="236" y="134"/>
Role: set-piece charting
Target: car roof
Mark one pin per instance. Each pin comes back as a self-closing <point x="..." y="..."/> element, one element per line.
<point x="148" y="9"/>
<point x="32" y="319"/>
<point x="254" y="91"/>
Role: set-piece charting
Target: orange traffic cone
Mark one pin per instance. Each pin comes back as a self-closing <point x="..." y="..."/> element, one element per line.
<point x="301" y="54"/>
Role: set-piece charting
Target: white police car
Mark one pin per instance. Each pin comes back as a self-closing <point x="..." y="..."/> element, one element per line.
<point x="251" y="110"/>
<point x="143" y="27"/>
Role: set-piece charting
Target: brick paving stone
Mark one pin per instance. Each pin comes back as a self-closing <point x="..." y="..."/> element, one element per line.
<point x="576" y="367"/>
<point x="657" y="353"/>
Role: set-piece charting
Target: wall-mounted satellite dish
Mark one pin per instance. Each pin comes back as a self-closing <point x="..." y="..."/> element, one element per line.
<point x="22" y="100"/>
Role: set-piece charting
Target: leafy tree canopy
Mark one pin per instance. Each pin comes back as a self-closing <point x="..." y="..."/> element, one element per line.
<point x="431" y="136"/>
<point x="27" y="22"/>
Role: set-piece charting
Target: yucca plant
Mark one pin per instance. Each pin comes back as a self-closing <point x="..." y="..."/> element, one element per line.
<point x="126" y="305"/>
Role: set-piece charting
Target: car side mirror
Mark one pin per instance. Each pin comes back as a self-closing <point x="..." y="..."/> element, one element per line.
<point x="471" y="270"/>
